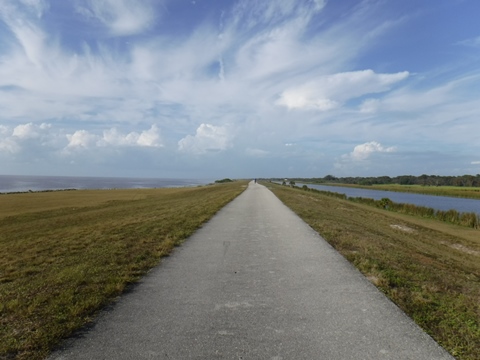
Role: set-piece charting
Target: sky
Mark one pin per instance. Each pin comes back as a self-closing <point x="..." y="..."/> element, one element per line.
<point x="239" y="89"/>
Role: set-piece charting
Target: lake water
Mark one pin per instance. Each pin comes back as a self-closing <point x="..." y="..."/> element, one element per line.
<point x="435" y="202"/>
<point x="13" y="183"/>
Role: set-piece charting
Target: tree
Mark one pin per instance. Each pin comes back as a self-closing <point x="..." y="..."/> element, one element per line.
<point x="329" y="178"/>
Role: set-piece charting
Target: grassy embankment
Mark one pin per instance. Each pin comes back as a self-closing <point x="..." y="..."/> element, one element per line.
<point x="64" y="255"/>
<point x="452" y="191"/>
<point x="428" y="268"/>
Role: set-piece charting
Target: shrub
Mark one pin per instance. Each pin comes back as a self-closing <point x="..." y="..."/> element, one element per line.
<point x="226" y="180"/>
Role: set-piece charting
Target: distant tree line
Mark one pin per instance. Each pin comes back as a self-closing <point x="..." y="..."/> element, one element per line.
<point x="424" y="180"/>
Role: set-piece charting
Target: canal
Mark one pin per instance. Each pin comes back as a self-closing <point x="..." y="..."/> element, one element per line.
<point x="435" y="202"/>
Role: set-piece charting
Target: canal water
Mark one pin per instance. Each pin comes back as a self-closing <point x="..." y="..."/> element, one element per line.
<point x="435" y="202"/>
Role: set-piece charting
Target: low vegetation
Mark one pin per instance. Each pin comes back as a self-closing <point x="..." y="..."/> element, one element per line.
<point x="469" y="219"/>
<point x="226" y="180"/>
<point x="64" y="255"/>
<point x="452" y="191"/>
<point x="430" y="269"/>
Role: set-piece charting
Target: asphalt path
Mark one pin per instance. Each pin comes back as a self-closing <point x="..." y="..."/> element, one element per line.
<point x="255" y="282"/>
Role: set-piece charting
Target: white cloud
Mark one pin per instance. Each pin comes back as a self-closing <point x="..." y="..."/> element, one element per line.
<point x="27" y="136"/>
<point x="150" y="138"/>
<point x="302" y="99"/>
<point x="82" y="139"/>
<point x="475" y="162"/>
<point x="45" y="140"/>
<point x="147" y="138"/>
<point x="364" y="151"/>
<point x="207" y="138"/>
<point x="7" y="144"/>
<point x="329" y="91"/>
<point x="364" y="158"/>
<point x="121" y="17"/>
<point x="29" y="131"/>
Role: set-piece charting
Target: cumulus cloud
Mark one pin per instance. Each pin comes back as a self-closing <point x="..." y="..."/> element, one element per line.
<point x="26" y="136"/>
<point x="360" y="159"/>
<point x="46" y="139"/>
<point x="147" y="138"/>
<point x="114" y="138"/>
<point x="150" y="138"/>
<point x="81" y="139"/>
<point x="329" y="91"/>
<point x="207" y="138"/>
<point x="364" y="151"/>
<point x="29" y="131"/>
<point x="7" y="144"/>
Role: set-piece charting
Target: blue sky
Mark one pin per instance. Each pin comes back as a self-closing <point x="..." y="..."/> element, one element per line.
<point x="247" y="88"/>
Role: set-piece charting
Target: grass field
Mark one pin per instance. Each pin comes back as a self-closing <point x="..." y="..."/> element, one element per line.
<point x="429" y="269"/>
<point x="64" y="255"/>
<point x="452" y="191"/>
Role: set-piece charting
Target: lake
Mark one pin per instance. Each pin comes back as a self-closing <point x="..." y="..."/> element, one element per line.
<point x="435" y="202"/>
<point x="15" y="183"/>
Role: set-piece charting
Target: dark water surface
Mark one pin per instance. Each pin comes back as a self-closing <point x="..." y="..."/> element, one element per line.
<point x="14" y="183"/>
<point x="435" y="202"/>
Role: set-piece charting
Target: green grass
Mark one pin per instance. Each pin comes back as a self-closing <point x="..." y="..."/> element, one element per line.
<point x="452" y="191"/>
<point x="428" y="268"/>
<point x="64" y="255"/>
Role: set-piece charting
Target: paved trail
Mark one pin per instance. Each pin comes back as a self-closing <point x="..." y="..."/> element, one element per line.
<point x="254" y="283"/>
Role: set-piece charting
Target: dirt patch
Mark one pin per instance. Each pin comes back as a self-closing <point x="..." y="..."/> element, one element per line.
<point x="402" y="228"/>
<point x="465" y="249"/>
